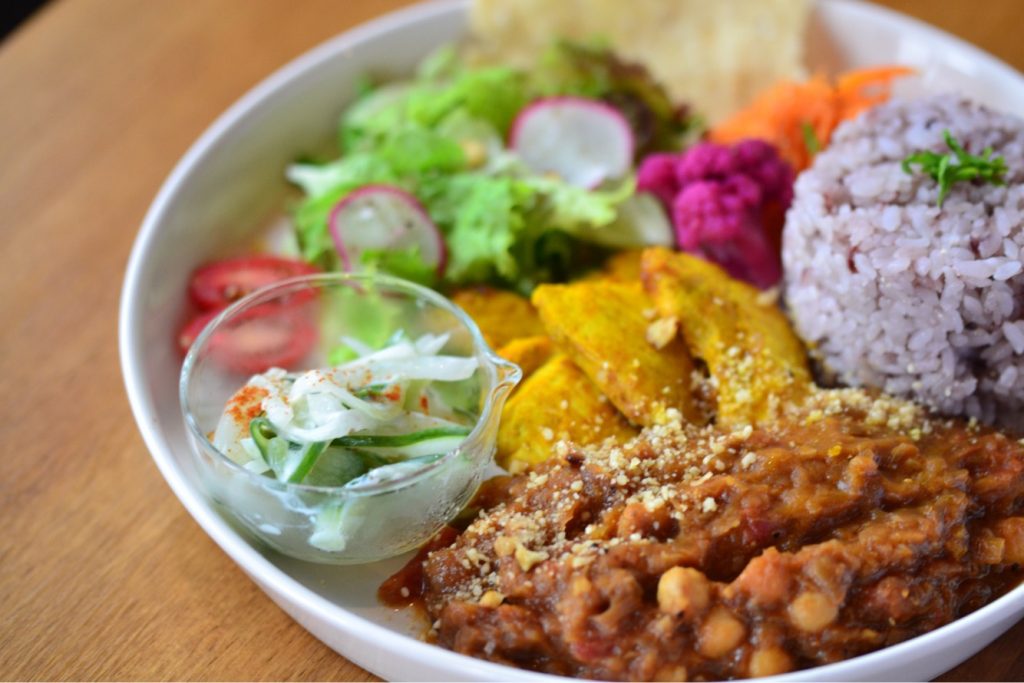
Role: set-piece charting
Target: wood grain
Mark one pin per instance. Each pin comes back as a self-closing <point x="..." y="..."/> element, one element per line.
<point x="102" y="573"/>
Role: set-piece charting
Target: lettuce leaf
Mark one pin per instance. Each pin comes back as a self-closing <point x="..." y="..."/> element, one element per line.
<point x="592" y="70"/>
<point x="415" y="150"/>
<point x="374" y="114"/>
<point x="519" y="230"/>
<point x="577" y="210"/>
<point x="406" y="263"/>
<point x="481" y="217"/>
<point x="325" y="186"/>
<point x="348" y="172"/>
<point x="407" y="153"/>
<point x="493" y="95"/>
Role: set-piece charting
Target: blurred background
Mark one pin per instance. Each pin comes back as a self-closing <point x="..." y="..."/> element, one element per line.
<point x="993" y="25"/>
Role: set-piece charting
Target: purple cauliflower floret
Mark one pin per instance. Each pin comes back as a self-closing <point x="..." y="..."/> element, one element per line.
<point x="657" y="175"/>
<point x="761" y="162"/>
<point x="726" y="204"/>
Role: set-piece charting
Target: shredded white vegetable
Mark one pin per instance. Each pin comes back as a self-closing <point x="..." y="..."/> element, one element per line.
<point x="398" y="407"/>
<point x="368" y="394"/>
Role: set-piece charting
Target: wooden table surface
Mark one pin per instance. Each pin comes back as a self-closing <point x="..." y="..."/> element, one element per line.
<point x="103" y="575"/>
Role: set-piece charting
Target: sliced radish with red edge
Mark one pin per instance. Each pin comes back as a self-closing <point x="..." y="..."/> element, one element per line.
<point x="384" y="218"/>
<point x="218" y="284"/>
<point x="584" y="142"/>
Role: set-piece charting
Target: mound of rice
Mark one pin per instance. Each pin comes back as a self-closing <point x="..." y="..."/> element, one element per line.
<point x="891" y="291"/>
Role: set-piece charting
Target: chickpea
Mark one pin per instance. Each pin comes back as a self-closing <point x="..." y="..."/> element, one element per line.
<point x="720" y="633"/>
<point x="812" y="611"/>
<point x="683" y="589"/>
<point x="769" y="661"/>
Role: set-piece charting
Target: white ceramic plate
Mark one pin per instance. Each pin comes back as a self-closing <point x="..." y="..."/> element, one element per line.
<point x="231" y="182"/>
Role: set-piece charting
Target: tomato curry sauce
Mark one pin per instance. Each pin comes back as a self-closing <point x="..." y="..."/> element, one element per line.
<point x="857" y="522"/>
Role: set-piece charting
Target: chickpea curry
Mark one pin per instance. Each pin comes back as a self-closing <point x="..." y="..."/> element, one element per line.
<point x="709" y="512"/>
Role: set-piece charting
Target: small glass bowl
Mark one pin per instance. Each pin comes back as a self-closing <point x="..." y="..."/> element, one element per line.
<point x="355" y="523"/>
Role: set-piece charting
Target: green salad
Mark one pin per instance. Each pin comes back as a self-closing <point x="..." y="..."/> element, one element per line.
<point x="467" y="201"/>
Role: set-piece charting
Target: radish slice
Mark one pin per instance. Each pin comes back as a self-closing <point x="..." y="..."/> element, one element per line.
<point x="384" y="218"/>
<point x="585" y="142"/>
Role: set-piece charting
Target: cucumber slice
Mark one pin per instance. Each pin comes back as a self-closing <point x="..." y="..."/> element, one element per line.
<point x="302" y="460"/>
<point x="400" y="440"/>
<point x="262" y="432"/>
<point x="337" y="467"/>
<point x="348" y="457"/>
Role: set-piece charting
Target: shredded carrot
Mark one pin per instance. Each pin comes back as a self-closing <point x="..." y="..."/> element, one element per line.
<point x="798" y="118"/>
<point x="864" y="88"/>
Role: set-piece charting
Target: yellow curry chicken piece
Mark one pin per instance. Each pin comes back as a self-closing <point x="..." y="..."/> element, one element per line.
<point x="555" y="403"/>
<point x="529" y="353"/>
<point x="603" y="328"/>
<point x="752" y="353"/>
<point x="501" y="315"/>
<point x="623" y="266"/>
